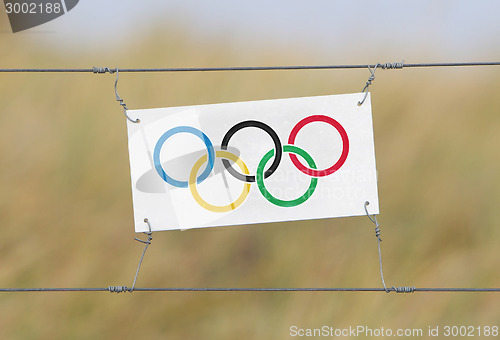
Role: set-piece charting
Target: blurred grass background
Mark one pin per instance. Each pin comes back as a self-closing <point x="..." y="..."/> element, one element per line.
<point x="66" y="207"/>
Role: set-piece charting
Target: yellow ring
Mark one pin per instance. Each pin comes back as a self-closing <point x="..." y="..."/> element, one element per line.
<point x="201" y="201"/>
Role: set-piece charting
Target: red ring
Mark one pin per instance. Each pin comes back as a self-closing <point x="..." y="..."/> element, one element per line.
<point x="345" y="145"/>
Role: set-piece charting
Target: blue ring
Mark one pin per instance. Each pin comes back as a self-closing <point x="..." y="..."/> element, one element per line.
<point x="170" y="133"/>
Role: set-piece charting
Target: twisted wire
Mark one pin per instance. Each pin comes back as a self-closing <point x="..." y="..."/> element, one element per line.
<point x="379" y="239"/>
<point x="368" y="83"/>
<point x="377" y="234"/>
<point x="393" y="66"/>
<point x="104" y="70"/>
<point x="117" y="289"/>
<point x="118" y="99"/>
<point x="404" y="289"/>
<point x="147" y="242"/>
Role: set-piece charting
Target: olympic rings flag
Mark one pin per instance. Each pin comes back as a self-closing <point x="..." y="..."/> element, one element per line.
<point x="252" y="162"/>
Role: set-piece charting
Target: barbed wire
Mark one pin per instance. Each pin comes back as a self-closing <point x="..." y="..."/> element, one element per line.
<point x="398" y="65"/>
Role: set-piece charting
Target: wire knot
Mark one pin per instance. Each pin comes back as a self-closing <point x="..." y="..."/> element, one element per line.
<point x="147" y="233"/>
<point x="368" y="83"/>
<point x="148" y="241"/>
<point x="378" y="232"/>
<point x="392" y="66"/>
<point x="374" y="220"/>
<point x="103" y="70"/>
<point x="118" y="289"/>
<point x="403" y="289"/>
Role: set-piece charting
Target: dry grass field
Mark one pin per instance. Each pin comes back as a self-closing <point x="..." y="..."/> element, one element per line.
<point x="66" y="206"/>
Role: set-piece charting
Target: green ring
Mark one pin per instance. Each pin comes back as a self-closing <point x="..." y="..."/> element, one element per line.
<point x="260" y="177"/>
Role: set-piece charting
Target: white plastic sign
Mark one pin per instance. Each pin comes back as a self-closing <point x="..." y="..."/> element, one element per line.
<point x="252" y="162"/>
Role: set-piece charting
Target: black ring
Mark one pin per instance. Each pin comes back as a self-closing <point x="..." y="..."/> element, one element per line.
<point x="277" y="146"/>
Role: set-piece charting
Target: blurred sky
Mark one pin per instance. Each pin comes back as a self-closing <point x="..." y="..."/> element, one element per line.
<point x="418" y="30"/>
